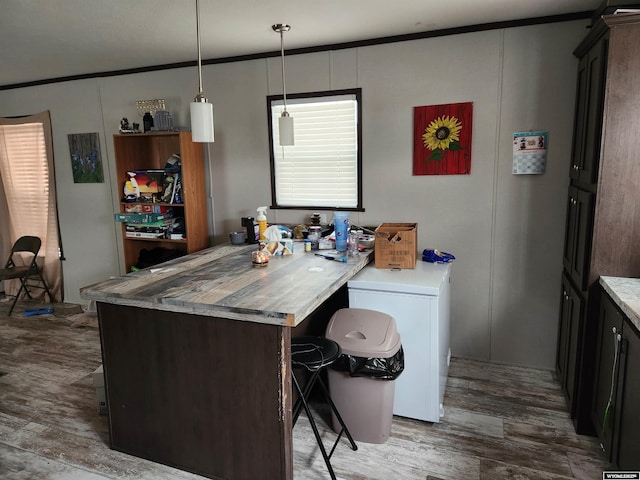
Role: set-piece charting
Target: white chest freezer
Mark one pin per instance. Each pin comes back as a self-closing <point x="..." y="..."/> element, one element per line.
<point x="419" y="300"/>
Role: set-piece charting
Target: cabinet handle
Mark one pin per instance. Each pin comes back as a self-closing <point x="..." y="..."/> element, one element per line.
<point x="617" y="338"/>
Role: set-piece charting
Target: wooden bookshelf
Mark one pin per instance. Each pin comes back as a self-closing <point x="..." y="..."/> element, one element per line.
<point x="150" y="151"/>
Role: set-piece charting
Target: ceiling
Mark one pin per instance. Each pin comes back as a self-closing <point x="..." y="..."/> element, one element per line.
<point x="50" y="39"/>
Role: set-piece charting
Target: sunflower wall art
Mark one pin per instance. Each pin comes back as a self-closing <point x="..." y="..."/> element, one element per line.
<point x="442" y="139"/>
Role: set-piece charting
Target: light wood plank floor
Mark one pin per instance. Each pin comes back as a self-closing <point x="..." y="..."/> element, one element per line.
<point x="501" y="422"/>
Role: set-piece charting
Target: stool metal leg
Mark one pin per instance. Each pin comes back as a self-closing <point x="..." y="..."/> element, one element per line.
<point x="315" y="428"/>
<point x="339" y="417"/>
<point x="307" y="390"/>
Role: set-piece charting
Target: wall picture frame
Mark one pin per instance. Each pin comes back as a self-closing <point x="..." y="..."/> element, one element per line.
<point x="442" y="139"/>
<point x="86" y="161"/>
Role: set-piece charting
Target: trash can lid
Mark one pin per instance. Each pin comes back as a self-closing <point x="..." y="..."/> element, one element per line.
<point x="364" y="333"/>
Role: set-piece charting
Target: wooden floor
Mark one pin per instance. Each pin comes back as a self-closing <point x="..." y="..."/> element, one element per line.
<point x="500" y="422"/>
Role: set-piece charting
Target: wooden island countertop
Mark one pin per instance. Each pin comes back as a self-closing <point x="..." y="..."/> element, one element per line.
<point x="222" y="282"/>
<point x="197" y="356"/>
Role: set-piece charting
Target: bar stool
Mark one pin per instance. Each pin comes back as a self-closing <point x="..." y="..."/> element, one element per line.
<point x="315" y="354"/>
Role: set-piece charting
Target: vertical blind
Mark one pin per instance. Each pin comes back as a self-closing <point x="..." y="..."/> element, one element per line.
<point x="321" y="169"/>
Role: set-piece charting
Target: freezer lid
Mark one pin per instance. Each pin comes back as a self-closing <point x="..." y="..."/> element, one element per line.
<point x="426" y="279"/>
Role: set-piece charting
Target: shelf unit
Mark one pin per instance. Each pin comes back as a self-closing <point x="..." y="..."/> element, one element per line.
<point x="150" y="151"/>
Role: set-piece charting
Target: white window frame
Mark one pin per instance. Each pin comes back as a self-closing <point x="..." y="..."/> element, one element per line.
<point x="319" y="172"/>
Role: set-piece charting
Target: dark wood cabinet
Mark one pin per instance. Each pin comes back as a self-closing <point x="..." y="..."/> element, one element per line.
<point x="569" y="340"/>
<point x="606" y="371"/>
<point x="628" y="439"/>
<point x="616" y="393"/>
<point x="602" y="226"/>
<point x="577" y="244"/>
<point x="588" y="114"/>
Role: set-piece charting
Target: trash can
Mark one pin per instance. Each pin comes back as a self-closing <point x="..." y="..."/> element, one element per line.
<point x="362" y="380"/>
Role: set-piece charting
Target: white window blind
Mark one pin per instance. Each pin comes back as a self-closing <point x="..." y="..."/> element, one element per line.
<point x="321" y="169"/>
<point x="25" y="176"/>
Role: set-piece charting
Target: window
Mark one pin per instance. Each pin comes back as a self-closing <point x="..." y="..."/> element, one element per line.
<point x="323" y="170"/>
<point x="28" y="194"/>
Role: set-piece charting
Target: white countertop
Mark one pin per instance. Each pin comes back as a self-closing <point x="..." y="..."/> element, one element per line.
<point x="625" y="292"/>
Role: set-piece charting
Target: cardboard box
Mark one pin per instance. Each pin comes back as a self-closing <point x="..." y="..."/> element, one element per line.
<point x="396" y="245"/>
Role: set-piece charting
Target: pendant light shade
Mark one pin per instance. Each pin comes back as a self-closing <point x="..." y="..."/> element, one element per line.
<point x="201" y="121"/>
<point x="285" y="124"/>
<point x="285" y="127"/>
<point x="201" y="109"/>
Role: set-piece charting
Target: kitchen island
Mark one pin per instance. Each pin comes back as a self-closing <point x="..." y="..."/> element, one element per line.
<point x="196" y="356"/>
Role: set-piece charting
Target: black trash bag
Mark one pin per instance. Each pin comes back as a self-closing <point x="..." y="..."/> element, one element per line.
<point x="378" y="368"/>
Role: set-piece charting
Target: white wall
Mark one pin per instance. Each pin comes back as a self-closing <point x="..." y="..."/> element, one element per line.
<point x="506" y="231"/>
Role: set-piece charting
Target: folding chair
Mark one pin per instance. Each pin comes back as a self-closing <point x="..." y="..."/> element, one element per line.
<point x="30" y="272"/>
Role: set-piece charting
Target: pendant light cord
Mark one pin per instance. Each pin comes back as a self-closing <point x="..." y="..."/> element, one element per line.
<point x="199" y="54"/>
<point x="284" y="87"/>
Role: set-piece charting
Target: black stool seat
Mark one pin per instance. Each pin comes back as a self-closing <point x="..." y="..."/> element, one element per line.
<point x="315" y="354"/>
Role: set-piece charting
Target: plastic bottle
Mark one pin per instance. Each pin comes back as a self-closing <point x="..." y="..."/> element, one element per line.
<point x="262" y="221"/>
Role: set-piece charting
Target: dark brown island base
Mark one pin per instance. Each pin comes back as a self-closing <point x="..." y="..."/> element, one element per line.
<point x="196" y="356"/>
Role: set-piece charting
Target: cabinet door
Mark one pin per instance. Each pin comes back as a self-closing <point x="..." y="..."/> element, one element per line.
<point x="577" y="148"/>
<point x="627" y="447"/>
<point x="570" y="229"/>
<point x="569" y="341"/>
<point x="603" y="410"/>
<point x="578" y="232"/>
<point x="589" y="109"/>
<point x="583" y="233"/>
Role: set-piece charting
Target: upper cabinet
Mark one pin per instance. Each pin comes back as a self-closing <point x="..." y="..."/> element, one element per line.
<point x="185" y="212"/>
<point x="616" y="231"/>
<point x="588" y="112"/>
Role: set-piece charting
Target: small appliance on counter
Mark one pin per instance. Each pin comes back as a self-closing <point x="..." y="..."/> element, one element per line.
<point x="250" y="225"/>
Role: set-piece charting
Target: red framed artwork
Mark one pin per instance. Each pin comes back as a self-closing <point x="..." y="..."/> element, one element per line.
<point x="442" y="139"/>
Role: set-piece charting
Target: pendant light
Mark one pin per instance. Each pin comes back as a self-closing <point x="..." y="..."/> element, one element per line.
<point x="201" y="109"/>
<point x="285" y="125"/>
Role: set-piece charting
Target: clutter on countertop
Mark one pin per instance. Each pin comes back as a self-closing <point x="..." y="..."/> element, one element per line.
<point x="436" y="256"/>
<point x="260" y="258"/>
<point x="250" y="227"/>
<point x="237" y="238"/>
<point x="262" y="221"/>
<point x="277" y="240"/>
